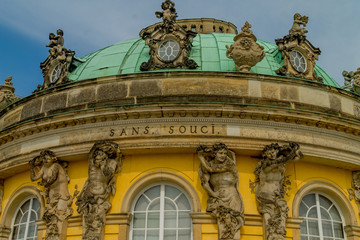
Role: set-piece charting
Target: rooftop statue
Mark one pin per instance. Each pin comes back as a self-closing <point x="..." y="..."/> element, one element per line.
<point x="56" y="65"/>
<point x="220" y="179"/>
<point x="57" y="40"/>
<point x="348" y="77"/>
<point x="356" y="82"/>
<point x="270" y="187"/>
<point x="168" y="14"/>
<point x="7" y="95"/>
<point x="352" y="81"/>
<point x="296" y="28"/>
<point x="245" y="52"/>
<point x="93" y="202"/>
<point x="56" y="44"/>
<point x="54" y="178"/>
<point x="8" y="81"/>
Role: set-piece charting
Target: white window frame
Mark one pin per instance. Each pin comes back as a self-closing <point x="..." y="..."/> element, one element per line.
<point x="29" y="215"/>
<point x="162" y="202"/>
<point x="321" y="235"/>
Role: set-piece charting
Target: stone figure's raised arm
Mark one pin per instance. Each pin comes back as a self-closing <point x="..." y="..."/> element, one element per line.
<point x="111" y="167"/>
<point x="291" y="152"/>
<point x="203" y="161"/>
<point x="35" y="163"/>
<point x="232" y="156"/>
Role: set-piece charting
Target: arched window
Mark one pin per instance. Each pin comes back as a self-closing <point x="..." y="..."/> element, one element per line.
<point x="161" y="212"/>
<point x="322" y="219"/>
<point x="24" y="225"/>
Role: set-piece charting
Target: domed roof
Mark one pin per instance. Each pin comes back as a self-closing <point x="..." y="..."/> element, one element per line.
<point x="208" y="50"/>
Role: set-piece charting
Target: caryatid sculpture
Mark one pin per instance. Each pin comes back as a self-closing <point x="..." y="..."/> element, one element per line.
<point x="219" y="177"/>
<point x="270" y="188"/>
<point x="93" y="202"/>
<point x="54" y="178"/>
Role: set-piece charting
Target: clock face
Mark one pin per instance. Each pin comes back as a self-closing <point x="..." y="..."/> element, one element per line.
<point x="55" y="74"/>
<point x="169" y="50"/>
<point x="298" y="61"/>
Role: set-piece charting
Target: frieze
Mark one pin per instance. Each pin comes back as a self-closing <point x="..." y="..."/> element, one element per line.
<point x="48" y="124"/>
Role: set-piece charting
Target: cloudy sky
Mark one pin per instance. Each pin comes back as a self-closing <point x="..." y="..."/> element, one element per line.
<point x="89" y="25"/>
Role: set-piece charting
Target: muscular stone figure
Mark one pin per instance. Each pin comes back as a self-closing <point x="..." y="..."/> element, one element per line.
<point x="219" y="178"/>
<point x="55" y="180"/>
<point x="93" y="202"/>
<point x="270" y="188"/>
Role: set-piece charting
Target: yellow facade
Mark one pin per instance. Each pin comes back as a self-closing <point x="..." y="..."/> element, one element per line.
<point x="136" y="166"/>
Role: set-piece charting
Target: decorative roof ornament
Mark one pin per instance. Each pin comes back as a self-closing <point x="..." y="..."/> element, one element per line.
<point x="169" y="43"/>
<point x="296" y="29"/>
<point x="56" y="65"/>
<point x="352" y="81"/>
<point x="7" y="95"/>
<point x="245" y="52"/>
<point x="8" y="81"/>
<point x="297" y="53"/>
<point x="168" y="14"/>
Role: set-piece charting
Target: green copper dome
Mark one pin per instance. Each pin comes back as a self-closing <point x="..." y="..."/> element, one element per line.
<point x="209" y="52"/>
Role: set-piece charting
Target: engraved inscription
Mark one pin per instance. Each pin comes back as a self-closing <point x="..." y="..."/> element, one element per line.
<point x="184" y="129"/>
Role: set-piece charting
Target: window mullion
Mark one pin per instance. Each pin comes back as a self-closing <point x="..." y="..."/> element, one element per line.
<point x="162" y="214"/>
<point x="319" y="216"/>
<point x="332" y="221"/>
<point x="146" y="217"/>
<point x="28" y="219"/>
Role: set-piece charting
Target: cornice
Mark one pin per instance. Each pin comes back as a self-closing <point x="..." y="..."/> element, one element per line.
<point x="180" y="74"/>
<point x="293" y="119"/>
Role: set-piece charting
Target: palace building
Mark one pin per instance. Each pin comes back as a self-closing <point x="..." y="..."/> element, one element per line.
<point x="196" y="130"/>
